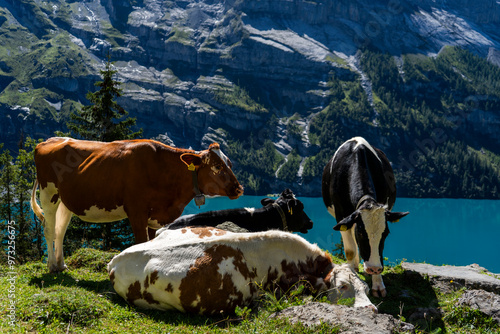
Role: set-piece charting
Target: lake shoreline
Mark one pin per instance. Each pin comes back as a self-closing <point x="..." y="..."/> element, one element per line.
<point x="437" y="231"/>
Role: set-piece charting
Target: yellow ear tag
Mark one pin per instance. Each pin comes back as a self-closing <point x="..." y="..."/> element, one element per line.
<point x="343" y="228"/>
<point x="395" y="221"/>
<point x="291" y="211"/>
<point x="191" y="167"/>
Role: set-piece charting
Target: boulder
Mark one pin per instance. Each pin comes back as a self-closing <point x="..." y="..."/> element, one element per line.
<point x="486" y="302"/>
<point x="449" y="278"/>
<point x="351" y="320"/>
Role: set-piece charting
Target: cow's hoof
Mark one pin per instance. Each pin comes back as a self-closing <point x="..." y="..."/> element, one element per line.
<point x="376" y="293"/>
<point x="57" y="269"/>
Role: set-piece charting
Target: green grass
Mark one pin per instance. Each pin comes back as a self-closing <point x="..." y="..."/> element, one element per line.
<point x="238" y="97"/>
<point x="35" y="67"/>
<point x="333" y="58"/>
<point x="82" y="300"/>
<point x="180" y="35"/>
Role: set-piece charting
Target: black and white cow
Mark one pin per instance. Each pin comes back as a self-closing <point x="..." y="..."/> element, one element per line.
<point x="285" y="213"/>
<point x="359" y="190"/>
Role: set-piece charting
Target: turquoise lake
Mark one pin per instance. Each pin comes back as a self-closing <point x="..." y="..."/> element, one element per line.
<point x="437" y="231"/>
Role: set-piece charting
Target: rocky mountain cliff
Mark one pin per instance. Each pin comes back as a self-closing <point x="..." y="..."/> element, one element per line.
<point x="246" y="73"/>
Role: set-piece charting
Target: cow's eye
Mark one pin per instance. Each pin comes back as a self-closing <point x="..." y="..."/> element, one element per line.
<point x="217" y="168"/>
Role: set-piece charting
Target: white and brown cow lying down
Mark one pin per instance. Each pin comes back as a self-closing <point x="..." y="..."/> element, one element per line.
<point x="211" y="271"/>
<point x="285" y="213"/>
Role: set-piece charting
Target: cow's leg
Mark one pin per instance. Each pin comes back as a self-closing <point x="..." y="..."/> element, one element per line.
<point x="378" y="286"/>
<point x="139" y="223"/>
<point x="63" y="216"/>
<point x="49" y="233"/>
<point x="351" y="248"/>
<point x="151" y="233"/>
<point x="49" y="201"/>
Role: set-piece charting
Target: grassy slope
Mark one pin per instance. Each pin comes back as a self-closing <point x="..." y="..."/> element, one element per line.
<point x="82" y="300"/>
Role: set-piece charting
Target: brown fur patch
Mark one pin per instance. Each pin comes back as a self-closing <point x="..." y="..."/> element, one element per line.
<point x="328" y="279"/>
<point x="134" y="292"/>
<point x="169" y="288"/>
<point x="112" y="277"/>
<point x="150" y="279"/>
<point x="54" y="198"/>
<point x="271" y="279"/>
<point x="153" y="277"/>
<point x="219" y="232"/>
<point x="313" y="271"/>
<point x="204" y="290"/>
<point x="206" y="232"/>
<point x="149" y="298"/>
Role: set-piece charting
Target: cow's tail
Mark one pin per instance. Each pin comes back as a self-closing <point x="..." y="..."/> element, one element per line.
<point x="34" y="205"/>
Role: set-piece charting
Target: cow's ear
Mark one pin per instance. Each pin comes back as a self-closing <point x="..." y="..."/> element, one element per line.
<point x="214" y="146"/>
<point x="287" y="193"/>
<point x="192" y="160"/>
<point x="394" y="217"/>
<point x="266" y="201"/>
<point x="347" y="223"/>
<point x="295" y="205"/>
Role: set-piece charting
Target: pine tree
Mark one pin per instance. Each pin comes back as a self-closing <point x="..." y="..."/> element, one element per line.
<point x="16" y="181"/>
<point x="97" y="120"/>
<point x="7" y="171"/>
<point x="29" y="240"/>
<point x="7" y="211"/>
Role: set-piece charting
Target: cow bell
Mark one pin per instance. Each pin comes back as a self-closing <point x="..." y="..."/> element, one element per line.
<point x="199" y="200"/>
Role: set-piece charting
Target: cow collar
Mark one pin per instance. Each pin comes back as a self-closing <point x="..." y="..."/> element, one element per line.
<point x="283" y="217"/>
<point x="199" y="198"/>
<point x="364" y="198"/>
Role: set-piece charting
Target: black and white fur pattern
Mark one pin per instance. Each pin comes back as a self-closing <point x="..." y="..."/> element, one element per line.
<point x="284" y="213"/>
<point x="359" y="190"/>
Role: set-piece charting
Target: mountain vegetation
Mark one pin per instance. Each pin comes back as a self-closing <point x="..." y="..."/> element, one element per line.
<point x="280" y="91"/>
<point x="422" y="113"/>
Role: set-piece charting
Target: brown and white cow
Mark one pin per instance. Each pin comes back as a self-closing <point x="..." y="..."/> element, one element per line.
<point x="144" y="180"/>
<point x="359" y="190"/>
<point x="210" y="271"/>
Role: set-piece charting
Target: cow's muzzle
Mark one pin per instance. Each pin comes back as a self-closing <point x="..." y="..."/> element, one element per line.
<point x="372" y="270"/>
<point x="237" y="192"/>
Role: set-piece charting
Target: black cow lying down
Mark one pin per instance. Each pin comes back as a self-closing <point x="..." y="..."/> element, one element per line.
<point x="285" y="213"/>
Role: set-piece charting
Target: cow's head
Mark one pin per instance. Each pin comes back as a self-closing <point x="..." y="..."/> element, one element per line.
<point x="293" y="210"/>
<point x="214" y="174"/>
<point x="370" y="230"/>
<point x="345" y="283"/>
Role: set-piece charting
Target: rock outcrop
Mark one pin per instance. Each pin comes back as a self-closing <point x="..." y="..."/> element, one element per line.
<point x="455" y="277"/>
<point x="482" y="293"/>
<point x="486" y="302"/>
<point x="350" y="320"/>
